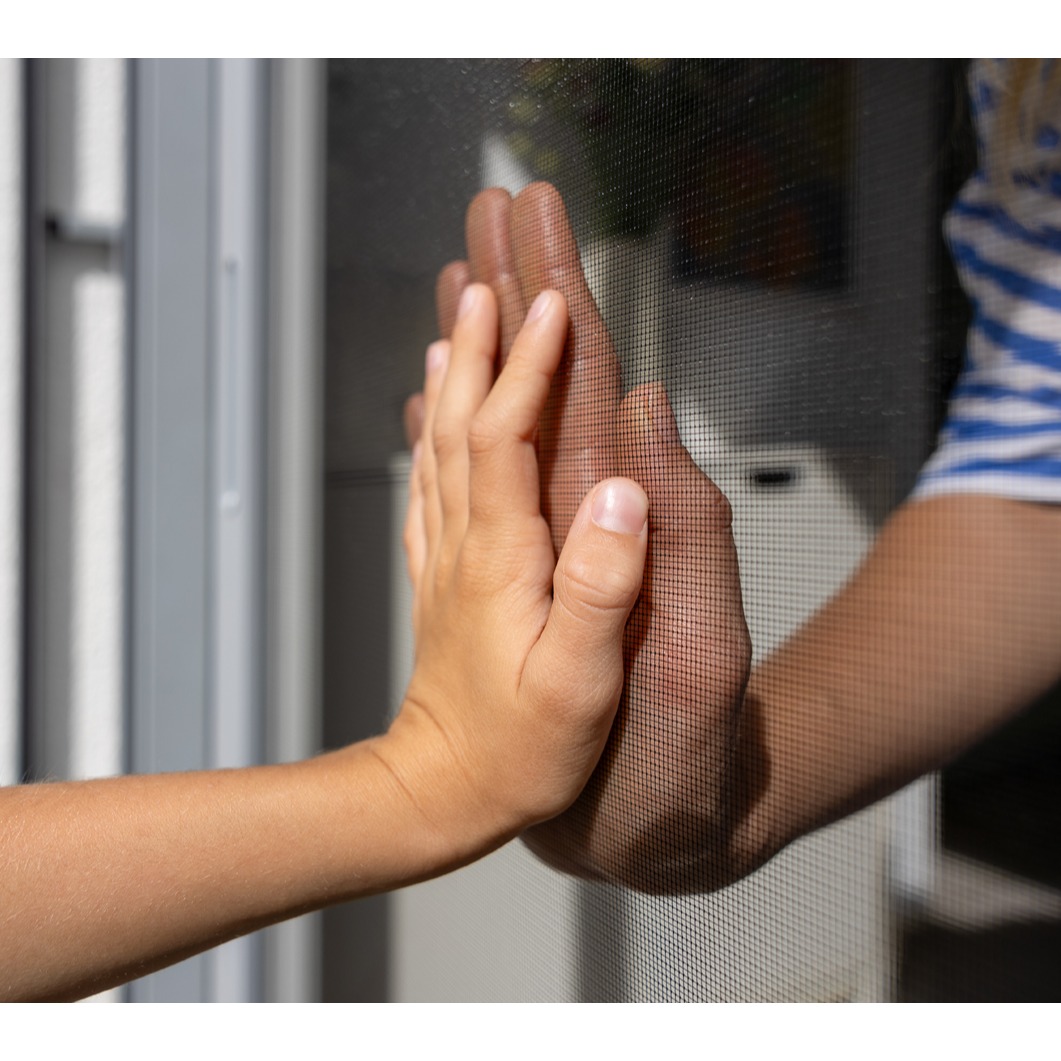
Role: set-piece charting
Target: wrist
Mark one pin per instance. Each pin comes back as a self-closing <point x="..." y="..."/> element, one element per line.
<point x="451" y="813"/>
<point x="394" y="810"/>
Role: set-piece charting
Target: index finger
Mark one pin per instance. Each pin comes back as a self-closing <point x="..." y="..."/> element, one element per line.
<point x="504" y="482"/>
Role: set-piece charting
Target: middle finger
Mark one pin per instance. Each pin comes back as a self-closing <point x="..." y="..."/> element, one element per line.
<point x="492" y="261"/>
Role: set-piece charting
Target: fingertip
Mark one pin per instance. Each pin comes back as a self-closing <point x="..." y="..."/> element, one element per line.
<point x="599" y="575"/>
<point x="543" y="241"/>
<point x="541" y="196"/>
<point x="436" y="357"/>
<point x="621" y="506"/>
<point x="539" y="307"/>
<point x="489" y="199"/>
<point x="490" y="194"/>
<point x="486" y="224"/>
<point x="522" y="388"/>
<point x="452" y="280"/>
<point x="547" y="302"/>
<point x="469" y="299"/>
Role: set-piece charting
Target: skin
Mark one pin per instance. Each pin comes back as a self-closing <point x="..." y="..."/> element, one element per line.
<point x="659" y="791"/>
<point x="517" y="678"/>
<point x="947" y="630"/>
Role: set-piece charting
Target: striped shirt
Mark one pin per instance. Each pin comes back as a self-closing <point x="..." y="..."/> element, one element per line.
<point x="1002" y="434"/>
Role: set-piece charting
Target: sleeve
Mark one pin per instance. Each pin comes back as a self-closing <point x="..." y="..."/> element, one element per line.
<point x="1002" y="434"/>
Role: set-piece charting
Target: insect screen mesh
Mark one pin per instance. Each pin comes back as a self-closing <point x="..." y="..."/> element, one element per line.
<point x="755" y="245"/>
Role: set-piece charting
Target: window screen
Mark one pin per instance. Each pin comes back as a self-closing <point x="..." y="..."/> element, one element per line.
<point x="763" y="239"/>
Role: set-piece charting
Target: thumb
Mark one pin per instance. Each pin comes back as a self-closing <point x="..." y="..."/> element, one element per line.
<point x="693" y="565"/>
<point x="578" y="659"/>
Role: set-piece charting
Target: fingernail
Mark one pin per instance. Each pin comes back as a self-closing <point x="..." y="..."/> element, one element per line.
<point x="469" y="296"/>
<point x="659" y="411"/>
<point x="620" y="505"/>
<point x="539" y="306"/>
<point x="436" y="357"/>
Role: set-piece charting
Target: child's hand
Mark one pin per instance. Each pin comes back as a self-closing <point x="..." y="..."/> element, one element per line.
<point x="519" y="667"/>
<point x="518" y="674"/>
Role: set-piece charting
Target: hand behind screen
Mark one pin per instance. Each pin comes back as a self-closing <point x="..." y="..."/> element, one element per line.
<point x="654" y="812"/>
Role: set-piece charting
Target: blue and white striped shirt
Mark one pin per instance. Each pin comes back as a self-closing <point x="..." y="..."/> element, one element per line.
<point x="1002" y="434"/>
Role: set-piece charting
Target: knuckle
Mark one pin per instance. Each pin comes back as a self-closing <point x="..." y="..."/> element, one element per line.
<point x="589" y="589"/>
<point x="427" y="480"/>
<point x="446" y="438"/>
<point x="477" y="560"/>
<point x="445" y="569"/>
<point x="712" y="508"/>
<point x="717" y="506"/>
<point x="484" y="433"/>
<point x="705" y="520"/>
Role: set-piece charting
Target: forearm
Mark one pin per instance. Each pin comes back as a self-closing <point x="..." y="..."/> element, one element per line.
<point x="949" y="628"/>
<point x="106" y="880"/>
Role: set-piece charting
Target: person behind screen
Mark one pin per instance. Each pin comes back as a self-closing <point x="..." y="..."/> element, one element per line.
<point x="518" y="673"/>
<point x="951" y="625"/>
